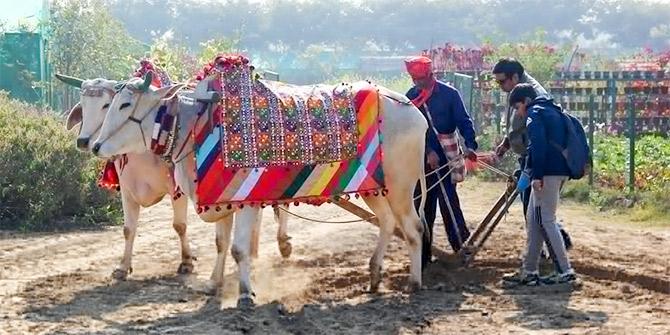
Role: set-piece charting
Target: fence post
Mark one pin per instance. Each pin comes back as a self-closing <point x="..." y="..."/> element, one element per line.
<point x="591" y="131"/>
<point x="631" y="144"/>
<point x="612" y="94"/>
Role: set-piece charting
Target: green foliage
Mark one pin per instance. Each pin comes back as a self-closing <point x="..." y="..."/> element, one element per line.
<point x="211" y="48"/>
<point x="652" y="162"/>
<point x="539" y="59"/>
<point x="180" y="62"/>
<point x="652" y="177"/>
<point x="87" y="41"/>
<point x="45" y="181"/>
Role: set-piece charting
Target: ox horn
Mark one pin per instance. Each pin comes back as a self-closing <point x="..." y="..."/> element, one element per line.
<point x="147" y="81"/>
<point x="72" y="81"/>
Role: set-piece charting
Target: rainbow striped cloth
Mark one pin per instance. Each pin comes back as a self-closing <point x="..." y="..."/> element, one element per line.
<point x="289" y="144"/>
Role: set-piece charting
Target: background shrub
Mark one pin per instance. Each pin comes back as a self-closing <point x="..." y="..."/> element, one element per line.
<point x="44" y="181"/>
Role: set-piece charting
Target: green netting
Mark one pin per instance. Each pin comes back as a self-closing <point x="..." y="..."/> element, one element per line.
<point x="21" y="65"/>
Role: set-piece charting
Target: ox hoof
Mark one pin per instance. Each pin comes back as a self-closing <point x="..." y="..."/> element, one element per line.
<point x="211" y="289"/>
<point x="246" y="301"/>
<point x="285" y="249"/>
<point x="120" y="274"/>
<point x="185" y="268"/>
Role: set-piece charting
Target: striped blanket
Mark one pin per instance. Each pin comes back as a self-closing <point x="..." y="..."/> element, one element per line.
<point x="272" y="143"/>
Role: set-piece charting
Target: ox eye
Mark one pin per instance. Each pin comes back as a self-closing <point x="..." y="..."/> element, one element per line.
<point x="105" y="106"/>
<point x="124" y="105"/>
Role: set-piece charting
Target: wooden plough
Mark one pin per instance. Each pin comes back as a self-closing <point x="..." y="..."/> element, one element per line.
<point x="476" y="240"/>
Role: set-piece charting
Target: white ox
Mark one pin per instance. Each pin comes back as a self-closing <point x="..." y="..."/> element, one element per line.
<point x="127" y="128"/>
<point x="144" y="179"/>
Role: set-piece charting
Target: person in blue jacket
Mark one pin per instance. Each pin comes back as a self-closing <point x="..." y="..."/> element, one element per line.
<point x="445" y="112"/>
<point x="548" y="170"/>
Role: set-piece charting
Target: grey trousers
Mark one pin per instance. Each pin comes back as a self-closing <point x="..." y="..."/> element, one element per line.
<point x="541" y="226"/>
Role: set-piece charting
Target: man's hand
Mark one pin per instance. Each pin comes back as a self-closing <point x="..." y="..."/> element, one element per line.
<point x="470" y="154"/>
<point x="433" y="160"/>
<point x="502" y="148"/>
<point x="537" y="185"/>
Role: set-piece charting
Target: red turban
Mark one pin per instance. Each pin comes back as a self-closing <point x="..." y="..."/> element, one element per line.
<point x="418" y="67"/>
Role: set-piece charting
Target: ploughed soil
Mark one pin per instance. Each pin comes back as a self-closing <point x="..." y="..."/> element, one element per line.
<point x="56" y="283"/>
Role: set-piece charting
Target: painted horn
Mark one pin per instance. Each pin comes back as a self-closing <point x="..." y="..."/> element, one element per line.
<point x="147" y="81"/>
<point x="72" y="81"/>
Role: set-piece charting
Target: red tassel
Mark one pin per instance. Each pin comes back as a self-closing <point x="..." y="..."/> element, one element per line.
<point x="109" y="178"/>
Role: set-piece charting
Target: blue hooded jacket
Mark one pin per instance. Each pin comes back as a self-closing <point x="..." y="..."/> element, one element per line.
<point x="546" y="135"/>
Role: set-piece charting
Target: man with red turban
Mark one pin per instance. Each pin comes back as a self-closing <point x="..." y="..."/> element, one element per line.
<point x="443" y="107"/>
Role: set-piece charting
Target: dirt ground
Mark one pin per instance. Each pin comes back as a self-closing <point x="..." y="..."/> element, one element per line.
<point x="60" y="283"/>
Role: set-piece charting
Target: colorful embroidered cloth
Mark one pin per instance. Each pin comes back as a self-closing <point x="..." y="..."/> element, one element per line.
<point x="271" y="142"/>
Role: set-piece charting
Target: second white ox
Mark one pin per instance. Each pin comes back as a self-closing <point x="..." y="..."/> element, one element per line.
<point x="127" y="129"/>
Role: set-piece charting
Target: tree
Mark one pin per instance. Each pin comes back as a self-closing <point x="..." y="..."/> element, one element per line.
<point x="87" y="42"/>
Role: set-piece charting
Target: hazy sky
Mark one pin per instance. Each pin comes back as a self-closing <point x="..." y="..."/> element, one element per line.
<point x="12" y="11"/>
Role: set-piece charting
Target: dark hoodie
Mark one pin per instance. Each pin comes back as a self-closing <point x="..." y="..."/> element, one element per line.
<point x="546" y="134"/>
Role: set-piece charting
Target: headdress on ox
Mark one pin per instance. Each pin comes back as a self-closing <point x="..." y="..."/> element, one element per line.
<point x="223" y="62"/>
<point x="161" y="78"/>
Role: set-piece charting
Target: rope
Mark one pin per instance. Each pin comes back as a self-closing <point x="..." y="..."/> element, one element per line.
<point x="439" y="181"/>
<point x="321" y="221"/>
<point x="493" y="169"/>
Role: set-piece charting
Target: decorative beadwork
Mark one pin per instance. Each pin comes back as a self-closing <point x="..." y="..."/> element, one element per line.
<point x="278" y="143"/>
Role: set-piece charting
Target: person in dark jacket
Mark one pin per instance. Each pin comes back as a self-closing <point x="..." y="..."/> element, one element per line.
<point x="508" y="73"/>
<point x="548" y="170"/>
<point x="445" y="112"/>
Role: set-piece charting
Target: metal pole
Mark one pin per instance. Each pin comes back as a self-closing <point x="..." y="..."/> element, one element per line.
<point x="497" y="110"/>
<point x="631" y="143"/>
<point x="591" y="130"/>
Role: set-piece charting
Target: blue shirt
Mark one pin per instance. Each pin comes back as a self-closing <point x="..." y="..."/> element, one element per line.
<point x="448" y="113"/>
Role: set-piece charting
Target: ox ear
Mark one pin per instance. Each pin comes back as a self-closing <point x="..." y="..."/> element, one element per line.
<point x="74" y="117"/>
<point x="168" y="92"/>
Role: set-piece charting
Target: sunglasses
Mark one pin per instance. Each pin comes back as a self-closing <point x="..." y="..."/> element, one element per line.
<point x="501" y="81"/>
